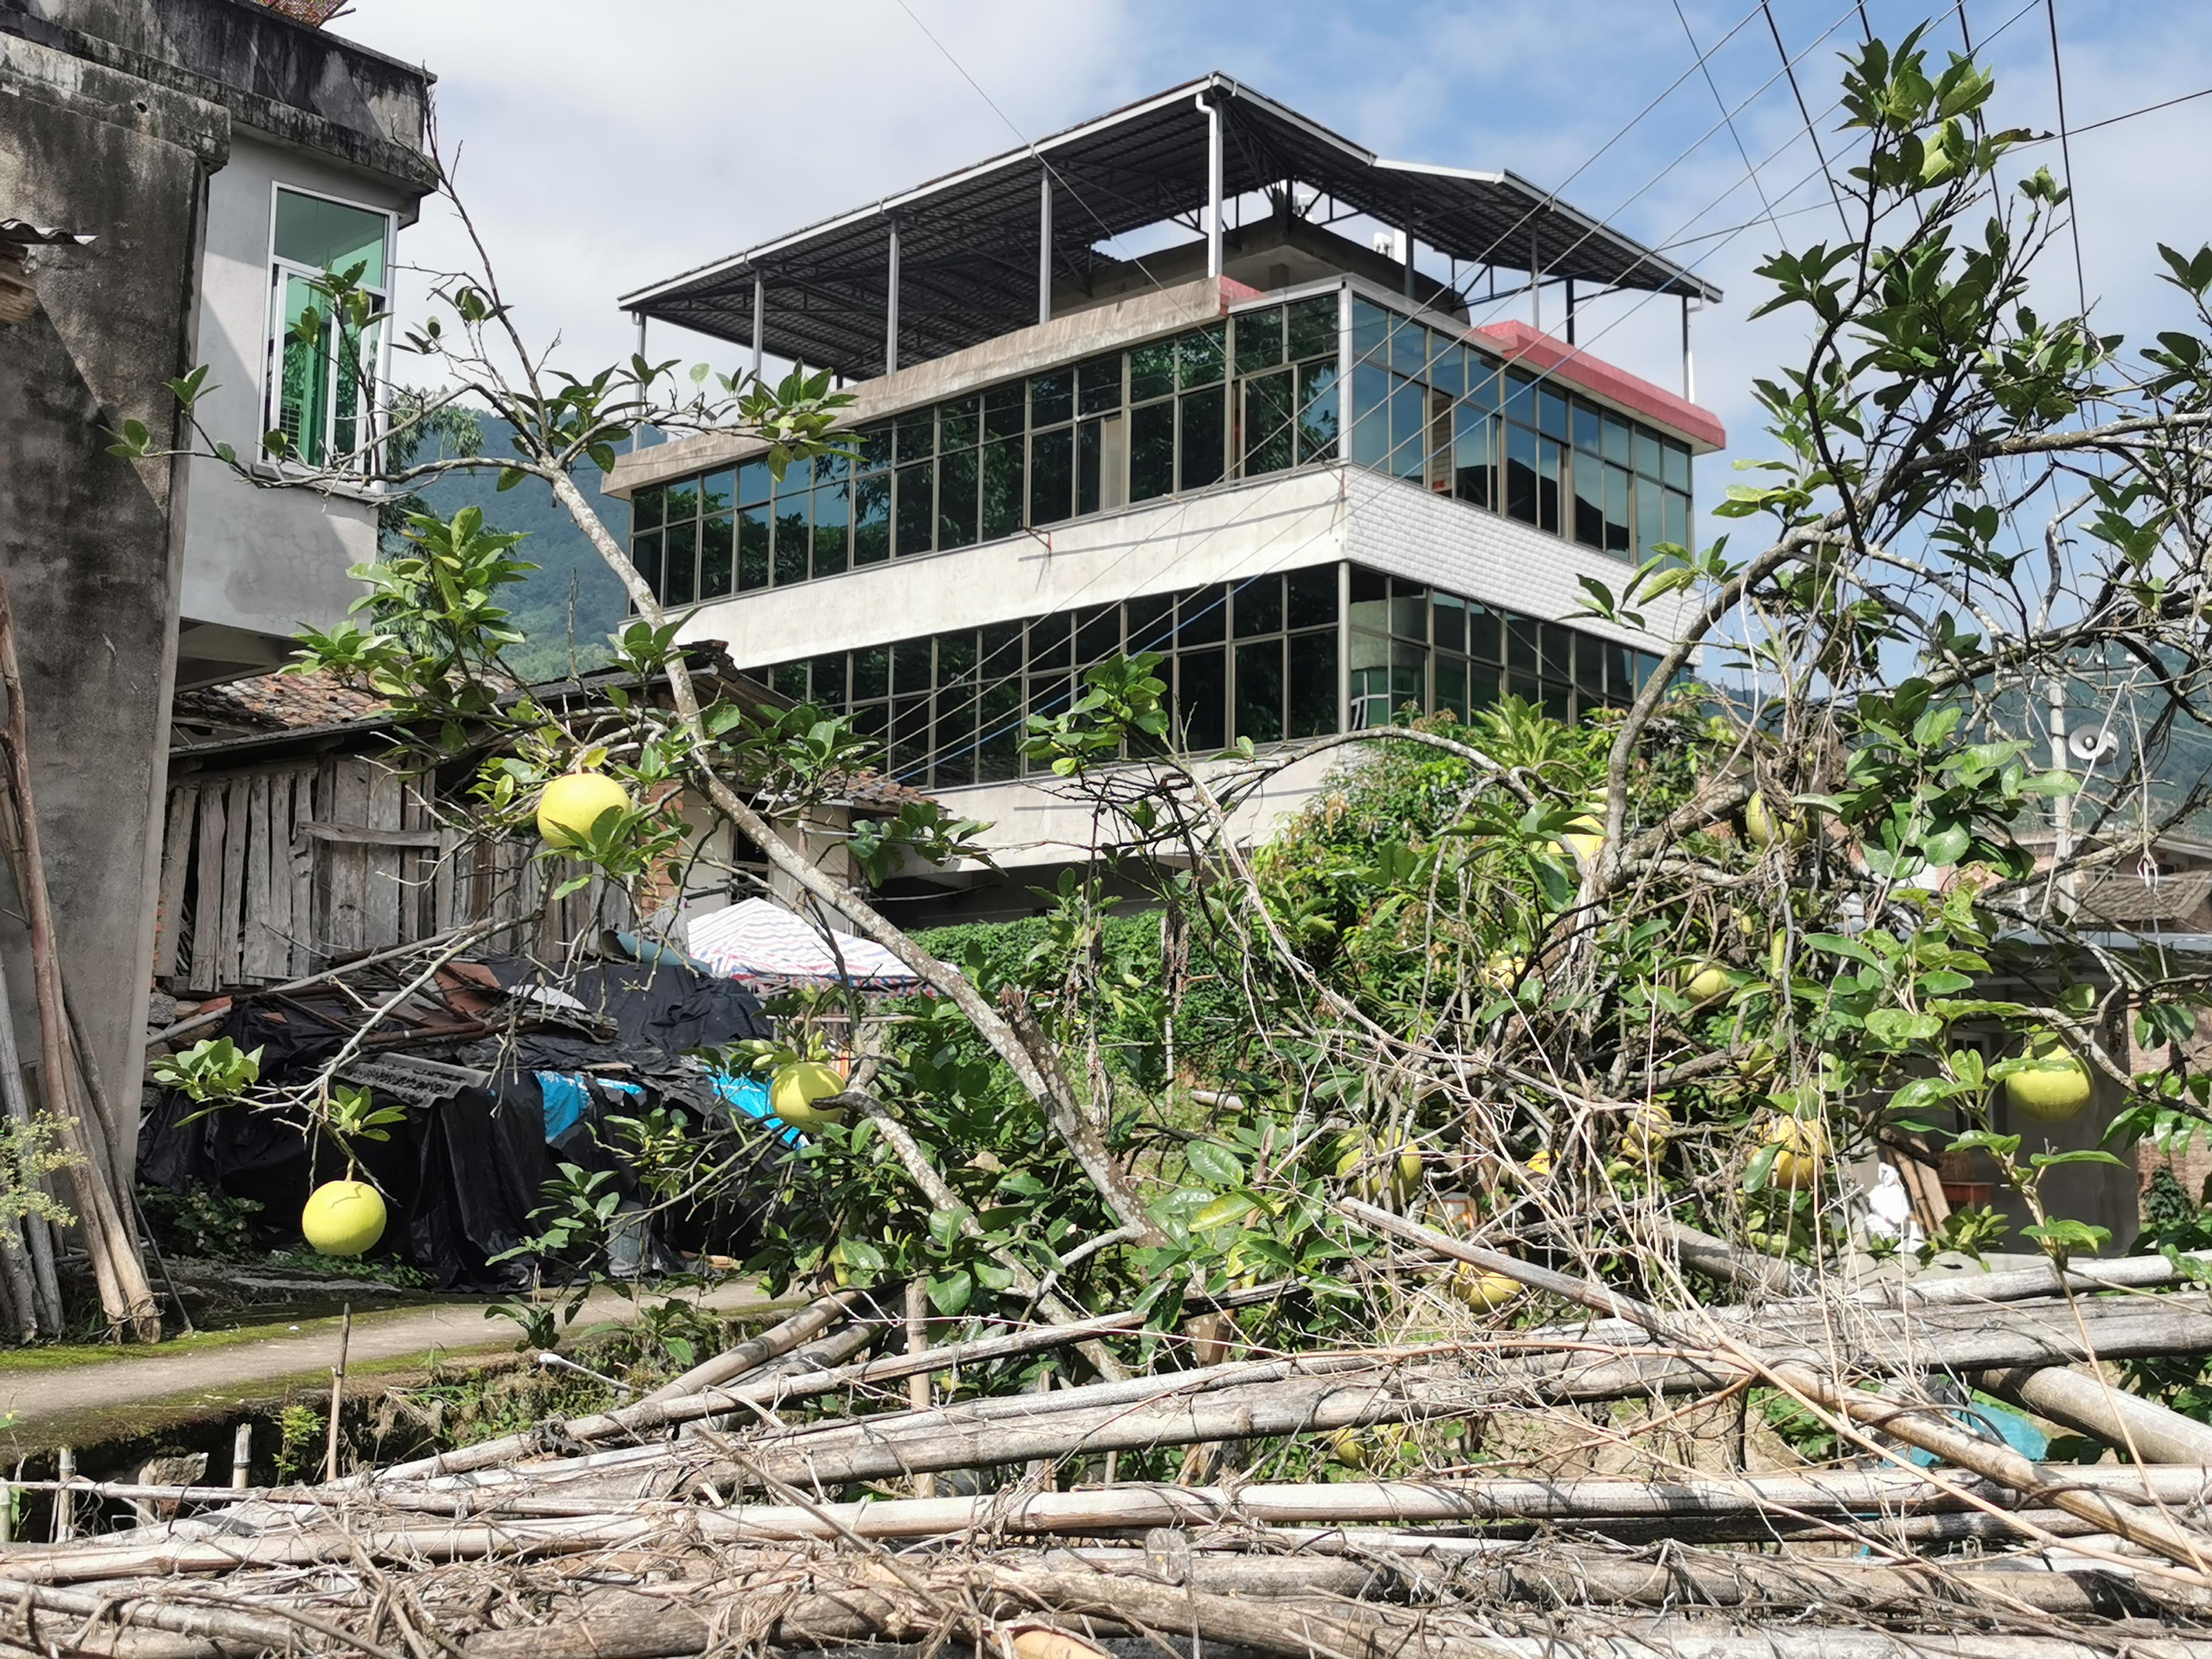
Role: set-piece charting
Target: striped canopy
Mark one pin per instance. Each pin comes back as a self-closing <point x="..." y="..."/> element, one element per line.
<point x="764" y="946"/>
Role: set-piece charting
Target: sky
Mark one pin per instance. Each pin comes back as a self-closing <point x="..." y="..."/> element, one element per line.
<point x="599" y="149"/>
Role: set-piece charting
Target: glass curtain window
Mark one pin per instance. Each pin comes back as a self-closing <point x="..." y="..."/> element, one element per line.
<point x="1257" y="659"/>
<point x="322" y="378"/>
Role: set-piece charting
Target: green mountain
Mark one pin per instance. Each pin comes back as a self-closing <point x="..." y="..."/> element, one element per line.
<point x="572" y="601"/>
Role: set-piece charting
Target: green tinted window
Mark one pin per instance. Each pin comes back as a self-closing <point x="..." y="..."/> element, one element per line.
<point x="330" y="236"/>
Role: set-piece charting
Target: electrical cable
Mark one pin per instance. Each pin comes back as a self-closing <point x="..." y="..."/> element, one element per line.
<point x="2066" y="157"/>
<point x="1810" y="130"/>
<point x="1721" y="105"/>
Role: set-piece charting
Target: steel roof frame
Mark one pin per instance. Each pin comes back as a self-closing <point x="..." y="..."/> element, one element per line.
<point x="968" y="240"/>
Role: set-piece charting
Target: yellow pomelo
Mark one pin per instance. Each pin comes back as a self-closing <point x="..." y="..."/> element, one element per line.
<point x="793" y="1089"/>
<point x="1707" y="981"/>
<point x="1649" y="1128"/>
<point x="1585" y="836"/>
<point x="1766" y="827"/>
<point x="2055" y="1090"/>
<point x="1802" y="1147"/>
<point x="344" y="1217"/>
<point x="1377" y="1171"/>
<point x="1485" y="1292"/>
<point x="572" y="803"/>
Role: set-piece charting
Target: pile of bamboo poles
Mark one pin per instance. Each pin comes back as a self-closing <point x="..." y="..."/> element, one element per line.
<point x="779" y="1498"/>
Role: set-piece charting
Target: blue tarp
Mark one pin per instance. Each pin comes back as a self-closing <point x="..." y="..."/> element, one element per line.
<point x="749" y="1095"/>
<point x="568" y="1097"/>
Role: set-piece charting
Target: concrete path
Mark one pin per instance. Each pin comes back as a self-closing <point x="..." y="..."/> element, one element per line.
<point x="137" y="1389"/>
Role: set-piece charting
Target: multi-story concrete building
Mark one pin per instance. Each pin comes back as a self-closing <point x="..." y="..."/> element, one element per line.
<point x="1327" y="484"/>
<point x="170" y="172"/>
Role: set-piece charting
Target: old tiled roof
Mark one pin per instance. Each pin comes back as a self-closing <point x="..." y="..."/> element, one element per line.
<point x="271" y="703"/>
<point x="874" y="789"/>
<point x="2127" y="900"/>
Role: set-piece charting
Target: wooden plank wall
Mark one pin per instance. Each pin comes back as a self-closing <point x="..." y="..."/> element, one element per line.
<point x="271" y="874"/>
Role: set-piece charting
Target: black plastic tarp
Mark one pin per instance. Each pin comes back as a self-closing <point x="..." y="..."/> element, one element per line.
<point x="462" y="1175"/>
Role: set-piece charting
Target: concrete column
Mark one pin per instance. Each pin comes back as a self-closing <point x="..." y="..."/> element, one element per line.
<point x="1044" y="248"/>
<point x="1212" y="186"/>
<point x="1406" y="245"/>
<point x="890" y="306"/>
<point x="760" y="311"/>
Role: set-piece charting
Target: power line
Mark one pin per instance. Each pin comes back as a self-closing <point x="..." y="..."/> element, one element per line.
<point x="1059" y="179"/>
<point x="1721" y="105"/>
<point x="2066" y="158"/>
<point x="1790" y="69"/>
<point x="2147" y="109"/>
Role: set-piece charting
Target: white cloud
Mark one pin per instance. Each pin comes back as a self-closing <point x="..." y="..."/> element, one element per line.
<point x="600" y="148"/>
<point x="599" y="151"/>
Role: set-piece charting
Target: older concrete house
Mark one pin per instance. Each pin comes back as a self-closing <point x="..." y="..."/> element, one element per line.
<point x="172" y="170"/>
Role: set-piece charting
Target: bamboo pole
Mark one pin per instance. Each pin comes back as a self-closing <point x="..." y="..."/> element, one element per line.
<point x="804" y="1326"/>
<point x="242" y="1456"/>
<point x="2082" y="1401"/>
<point x="644" y="1416"/>
<point x="290" y="1534"/>
<point x="917" y="1386"/>
<point x="337" y="1392"/>
<point x="125" y="1296"/>
<point x="1906" y="1420"/>
<point x="37" y="1234"/>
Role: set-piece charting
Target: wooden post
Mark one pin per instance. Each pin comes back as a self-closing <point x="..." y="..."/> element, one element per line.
<point x="37" y="1234"/>
<point x="66" y="1471"/>
<point x="917" y="1386"/>
<point x="338" y="1392"/>
<point x="124" y="1295"/>
<point x="241" y="1457"/>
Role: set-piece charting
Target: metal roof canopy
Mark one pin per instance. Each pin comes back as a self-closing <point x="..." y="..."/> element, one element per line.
<point x="968" y="243"/>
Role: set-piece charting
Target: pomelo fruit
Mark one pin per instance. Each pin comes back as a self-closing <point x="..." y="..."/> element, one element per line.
<point x="572" y="803"/>
<point x="794" y="1088"/>
<point x="344" y="1217"/>
<point x="1482" y="1290"/>
<point x="1766" y="827"/>
<point x="2058" y="1088"/>
<point x="1649" y="1128"/>
<point x="1802" y="1147"/>
<point x="1708" y="981"/>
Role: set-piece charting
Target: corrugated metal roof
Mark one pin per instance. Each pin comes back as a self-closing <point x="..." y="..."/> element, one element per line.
<point x="24" y="234"/>
<point x="968" y="241"/>
<point x="2126" y="899"/>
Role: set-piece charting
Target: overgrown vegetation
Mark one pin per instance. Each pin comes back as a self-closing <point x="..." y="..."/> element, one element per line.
<point x="1560" y="989"/>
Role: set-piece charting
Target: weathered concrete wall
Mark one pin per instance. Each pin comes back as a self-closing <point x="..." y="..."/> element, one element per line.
<point x="261" y="560"/>
<point x="301" y="85"/>
<point x="85" y="538"/>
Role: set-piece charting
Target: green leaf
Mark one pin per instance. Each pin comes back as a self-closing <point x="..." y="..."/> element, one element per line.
<point x="1896" y="1027"/>
<point x="1215" y="1164"/>
<point x="950" y="1292"/>
<point x="1837" y="945"/>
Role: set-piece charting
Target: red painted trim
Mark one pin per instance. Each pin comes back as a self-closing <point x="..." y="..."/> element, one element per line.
<point x="1516" y="342"/>
<point x="1234" y="293"/>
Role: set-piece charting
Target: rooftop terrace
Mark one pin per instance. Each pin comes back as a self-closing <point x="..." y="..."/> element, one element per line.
<point x="1004" y="244"/>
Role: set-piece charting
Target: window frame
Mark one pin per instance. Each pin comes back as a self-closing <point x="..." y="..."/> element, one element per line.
<point x="273" y="327"/>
